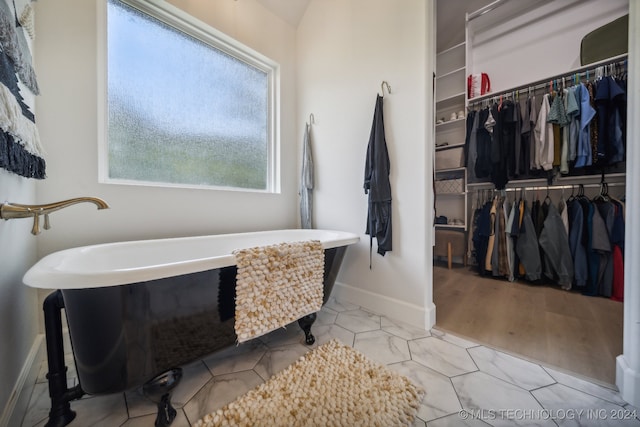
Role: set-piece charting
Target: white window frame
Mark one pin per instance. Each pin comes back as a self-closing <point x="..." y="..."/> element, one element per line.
<point x="188" y="24"/>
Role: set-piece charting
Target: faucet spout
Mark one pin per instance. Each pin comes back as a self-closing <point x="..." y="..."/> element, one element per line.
<point x="16" y="210"/>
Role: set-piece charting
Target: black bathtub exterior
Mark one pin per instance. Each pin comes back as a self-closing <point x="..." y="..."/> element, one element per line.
<point x="124" y="336"/>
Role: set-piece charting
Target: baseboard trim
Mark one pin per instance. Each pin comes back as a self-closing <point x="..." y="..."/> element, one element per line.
<point x="391" y="307"/>
<point x="18" y="401"/>
<point x="627" y="381"/>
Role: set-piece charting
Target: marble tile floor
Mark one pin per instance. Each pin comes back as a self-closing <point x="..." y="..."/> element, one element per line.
<point x="466" y="384"/>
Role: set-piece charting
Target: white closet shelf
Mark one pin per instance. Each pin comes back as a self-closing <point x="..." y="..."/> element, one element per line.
<point x="460" y="70"/>
<point x="545" y="81"/>
<point x="450" y="101"/>
<point x="461" y="227"/>
<point x="448" y="170"/>
<point x="452" y="194"/>
<point x="449" y="123"/>
<point x="452" y="48"/>
<point x="448" y="146"/>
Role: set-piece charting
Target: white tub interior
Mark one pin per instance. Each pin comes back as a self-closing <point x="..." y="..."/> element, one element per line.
<point x="121" y="263"/>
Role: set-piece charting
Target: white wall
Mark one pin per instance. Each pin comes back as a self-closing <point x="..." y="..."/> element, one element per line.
<point x="345" y="49"/>
<point x="628" y="363"/>
<point x="537" y="44"/>
<point x="68" y="54"/>
<point x="19" y="310"/>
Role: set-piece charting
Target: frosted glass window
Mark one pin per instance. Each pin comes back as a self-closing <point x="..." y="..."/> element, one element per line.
<point x="181" y="111"/>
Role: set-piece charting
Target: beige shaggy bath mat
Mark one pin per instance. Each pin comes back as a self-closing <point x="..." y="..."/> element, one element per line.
<point x="276" y="285"/>
<point x="333" y="385"/>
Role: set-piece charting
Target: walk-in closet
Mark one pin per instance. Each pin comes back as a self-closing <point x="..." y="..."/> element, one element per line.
<point x="529" y="182"/>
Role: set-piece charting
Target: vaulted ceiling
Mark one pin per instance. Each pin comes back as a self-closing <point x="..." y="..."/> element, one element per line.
<point x="290" y="11"/>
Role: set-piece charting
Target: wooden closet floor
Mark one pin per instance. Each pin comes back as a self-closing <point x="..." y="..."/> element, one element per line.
<point x="558" y="328"/>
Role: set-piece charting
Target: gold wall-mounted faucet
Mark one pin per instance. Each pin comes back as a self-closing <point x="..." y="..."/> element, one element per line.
<point x="15" y="210"/>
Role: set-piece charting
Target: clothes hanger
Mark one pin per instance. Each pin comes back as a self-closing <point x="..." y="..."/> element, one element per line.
<point x="547" y="199"/>
<point x="581" y="191"/>
<point x="571" y="197"/>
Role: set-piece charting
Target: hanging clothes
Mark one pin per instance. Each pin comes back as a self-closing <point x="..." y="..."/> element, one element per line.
<point x="573" y="114"/>
<point x="608" y="99"/>
<point x="577" y="243"/>
<point x="593" y="125"/>
<point x="492" y="235"/>
<point x="481" y="236"/>
<point x="600" y="252"/>
<point x="558" y="265"/>
<point x="558" y="117"/>
<point x="483" y="141"/>
<point x="517" y="142"/>
<point x="533" y="118"/>
<point x="544" y="137"/>
<point x="523" y="158"/>
<point x="475" y="209"/>
<point x="564" y="215"/>
<point x="587" y="113"/>
<point x="306" y="182"/>
<point x="511" y="251"/>
<point x="377" y="185"/>
<point x="502" y="143"/>
<point x="527" y="247"/>
<point x="617" y="242"/>
<point x="503" y="248"/>
<point x="568" y="131"/>
<point x="471" y="145"/>
<point x="591" y="256"/>
<point x="565" y="131"/>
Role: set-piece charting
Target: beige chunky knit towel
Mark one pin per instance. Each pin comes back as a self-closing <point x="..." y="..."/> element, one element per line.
<point x="276" y="285"/>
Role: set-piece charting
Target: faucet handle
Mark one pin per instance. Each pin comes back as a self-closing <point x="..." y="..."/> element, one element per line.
<point x="47" y="224"/>
<point x="35" y="230"/>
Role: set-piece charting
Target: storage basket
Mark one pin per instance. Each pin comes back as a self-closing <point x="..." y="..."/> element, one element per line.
<point x="449" y="158"/>
<point x="449" y="186"/>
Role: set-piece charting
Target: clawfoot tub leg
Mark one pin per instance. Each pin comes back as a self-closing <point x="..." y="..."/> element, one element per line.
<point x="159" y="390"/>
<point x="305" y="323"/>
<point x="60" y="414"/>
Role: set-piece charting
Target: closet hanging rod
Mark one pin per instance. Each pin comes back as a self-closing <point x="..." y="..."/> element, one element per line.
<point x="553" y="187"/>
<point x="619" y="59"/>
<point x="565" y="180"/>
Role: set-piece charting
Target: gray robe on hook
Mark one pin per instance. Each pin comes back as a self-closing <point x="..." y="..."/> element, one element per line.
<point x="306" y="182"/>
<point x="377" y="185"/>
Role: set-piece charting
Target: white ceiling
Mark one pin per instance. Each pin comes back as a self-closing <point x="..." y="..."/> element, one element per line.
<point x="290" y="11"/>
<point x="450" y="22"/>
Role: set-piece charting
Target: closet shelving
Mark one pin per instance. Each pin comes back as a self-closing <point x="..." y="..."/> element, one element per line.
<point x="482" y="28"/>
<point x="450" y="76"/>
<point x="482" y="41"/>
<point x="450" y="89"/>
<point x="451" y="178"/>
<point x="451" y="197"/>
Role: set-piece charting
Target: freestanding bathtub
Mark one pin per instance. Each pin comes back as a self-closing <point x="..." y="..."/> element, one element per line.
<point x="137" y="311"/>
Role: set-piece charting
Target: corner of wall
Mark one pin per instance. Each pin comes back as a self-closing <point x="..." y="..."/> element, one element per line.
<point x="412" y="314"/>
<point x="18" y="402"/>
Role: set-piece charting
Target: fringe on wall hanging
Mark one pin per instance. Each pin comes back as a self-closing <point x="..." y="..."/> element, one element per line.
<point x="20" y="148"/>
